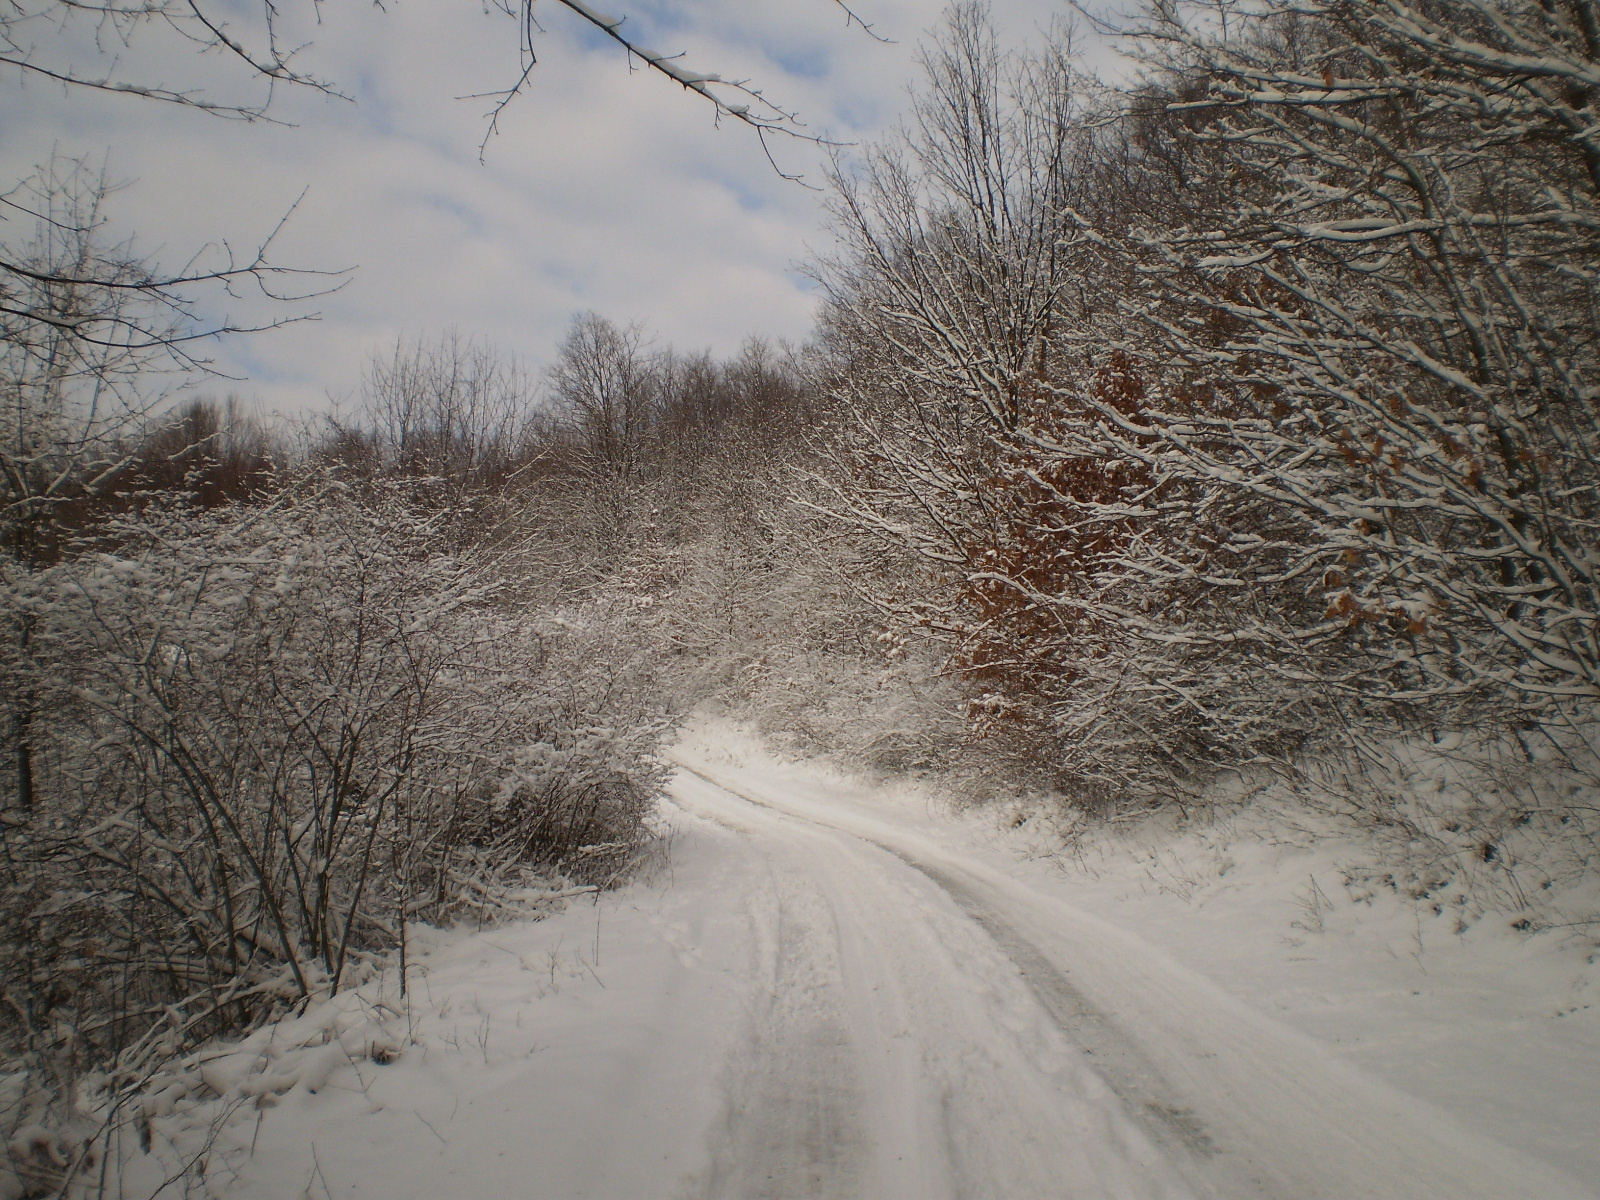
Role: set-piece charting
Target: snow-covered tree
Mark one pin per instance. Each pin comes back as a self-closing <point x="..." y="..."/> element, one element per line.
<point x="963" y="294"/>
<point x="1370" y="341"/>
<point x="1251" y="404"/>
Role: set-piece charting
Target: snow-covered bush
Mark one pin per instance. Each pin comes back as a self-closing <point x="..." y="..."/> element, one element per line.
<point x="267" y="736"/>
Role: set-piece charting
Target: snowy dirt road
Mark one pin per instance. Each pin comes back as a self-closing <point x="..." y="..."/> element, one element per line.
<point x="815" y="1000"/>
<point x="893" y="1049"/>
<point x="983" y="1039"/>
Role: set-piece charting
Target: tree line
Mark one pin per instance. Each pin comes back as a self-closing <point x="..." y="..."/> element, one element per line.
<point x="1244" y="410"/>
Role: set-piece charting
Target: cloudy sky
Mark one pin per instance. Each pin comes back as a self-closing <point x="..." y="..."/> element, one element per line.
<point x="607" y="188"/>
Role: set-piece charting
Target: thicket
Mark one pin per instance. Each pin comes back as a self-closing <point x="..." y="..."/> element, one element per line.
<point x="1243" y="413"/>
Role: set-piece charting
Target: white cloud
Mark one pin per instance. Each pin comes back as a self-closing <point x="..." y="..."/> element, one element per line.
<point x="607" y="188"/>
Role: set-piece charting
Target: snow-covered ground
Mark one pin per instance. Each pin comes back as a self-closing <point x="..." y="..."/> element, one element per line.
<point x="832" y="990"/>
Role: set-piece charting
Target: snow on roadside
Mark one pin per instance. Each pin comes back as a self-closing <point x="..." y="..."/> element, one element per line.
<point x="1497" y="1025"/>
<point x="556" y="1058"/>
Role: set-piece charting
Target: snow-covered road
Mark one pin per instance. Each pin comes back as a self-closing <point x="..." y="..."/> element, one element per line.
<point x="816" y="999"/>
<point x="997" y="1041"/>
<point x="893" y="1049"/>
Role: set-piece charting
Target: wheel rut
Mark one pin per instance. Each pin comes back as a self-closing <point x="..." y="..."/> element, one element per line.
<point x="1148" y="1097"/>
<point x="792" y="1127"/>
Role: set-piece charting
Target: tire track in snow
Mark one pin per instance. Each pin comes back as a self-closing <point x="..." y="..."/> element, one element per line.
<point x="792" y="1128"/>
<point x="1149" y="1099"/>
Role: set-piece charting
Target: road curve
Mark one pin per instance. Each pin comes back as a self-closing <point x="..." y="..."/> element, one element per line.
<point x="928" y="1026"/>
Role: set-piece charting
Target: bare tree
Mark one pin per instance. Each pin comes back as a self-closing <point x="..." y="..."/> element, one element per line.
<point x="735" y="99"/>
<point x="452" y="409"/>
<point x="606" y="386"/>
<point x="93" y="340"/>
<point x="119" y="47"/>
<point x="100" y="45"/>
